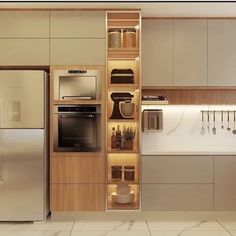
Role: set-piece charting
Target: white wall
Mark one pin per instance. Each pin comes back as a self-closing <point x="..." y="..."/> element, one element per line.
<point x="181" y="132"/>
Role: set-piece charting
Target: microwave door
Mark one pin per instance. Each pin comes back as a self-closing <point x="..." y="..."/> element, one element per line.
<point x="22" y="99"/>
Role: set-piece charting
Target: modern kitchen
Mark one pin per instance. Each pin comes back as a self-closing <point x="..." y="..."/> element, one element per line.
<point x="117" y="118"/>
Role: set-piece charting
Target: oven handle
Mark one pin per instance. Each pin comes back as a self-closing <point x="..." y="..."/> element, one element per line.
<point x="77" y="116"/>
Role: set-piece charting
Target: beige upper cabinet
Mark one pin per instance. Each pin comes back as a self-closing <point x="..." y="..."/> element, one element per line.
<point x="157" y="53"/>
<point x="221" y="52"/>
<point x="190" y="53"/>
<point x="78" y="24"/>
<point x="24" y="24"/>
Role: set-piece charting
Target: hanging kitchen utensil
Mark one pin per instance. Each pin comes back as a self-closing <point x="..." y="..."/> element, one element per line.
<point x="214" y="120"/>
<point x="202" y="129"/>
<point x="208" y="122"/>
<point x="222" y="120"/>
<point x="228" y="128"/>
<point x="234" y="130"/>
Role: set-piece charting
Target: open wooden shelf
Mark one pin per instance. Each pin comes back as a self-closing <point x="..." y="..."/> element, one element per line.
<point x="123" y="58"/>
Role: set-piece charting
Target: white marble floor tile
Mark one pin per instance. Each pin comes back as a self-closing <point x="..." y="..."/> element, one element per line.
<point x="34" y="233"/>
<point x="110" y="233"/>
<point x="229" y="224"/>
<point x="111" y="225"/>
<point x="184" y="225"/>
<point x="189" y="233"/>
<point x="48" y="225"/>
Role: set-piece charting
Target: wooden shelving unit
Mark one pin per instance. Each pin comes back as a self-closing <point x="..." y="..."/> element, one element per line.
<point x="121" y="55"/>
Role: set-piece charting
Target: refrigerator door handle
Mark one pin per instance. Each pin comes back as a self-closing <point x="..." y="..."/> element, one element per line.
<point x="1" y="169"/>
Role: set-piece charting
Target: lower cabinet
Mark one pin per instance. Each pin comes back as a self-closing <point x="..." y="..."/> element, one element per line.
<point x="77" y="197"/>
<point x="180" y="197"/>
<point x="225" y="183"/>
<point x="77" y="183"/>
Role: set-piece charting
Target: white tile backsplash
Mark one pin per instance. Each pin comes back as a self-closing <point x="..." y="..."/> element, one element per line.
<point x="181" y="132"/>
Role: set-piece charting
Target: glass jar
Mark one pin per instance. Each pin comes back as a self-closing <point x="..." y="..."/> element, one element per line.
<point x="129" y="172"/>
<point x="129" y="38"/>
<point x="116" y="172"/>
<point x="114" y="38"/>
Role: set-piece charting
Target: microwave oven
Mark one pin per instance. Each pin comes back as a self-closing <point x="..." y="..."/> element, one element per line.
<point x="77" y="83"/>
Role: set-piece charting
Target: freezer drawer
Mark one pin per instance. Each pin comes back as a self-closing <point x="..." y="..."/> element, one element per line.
<point x="22" y="175"/>
<point x="22" y="98"/>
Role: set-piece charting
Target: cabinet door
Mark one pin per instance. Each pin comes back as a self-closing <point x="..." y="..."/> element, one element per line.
<point x="78" y="51"/>
<point x="24" y="24"/>
<point x="77" y="169"/>
<point x="77" y="197"/>
<point x="24" y="52"/>
<point x="190" y="52"/>
<point x="157" y="53"/>
<point x="78" y="24"/>
<point x="180" y="197"/>
<point x="177" y="169"/>
<point x="221" y="52"/>
<point x="224" y="183"/>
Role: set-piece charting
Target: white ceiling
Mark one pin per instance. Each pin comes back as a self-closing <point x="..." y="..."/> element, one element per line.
<point x="150" y="9"/>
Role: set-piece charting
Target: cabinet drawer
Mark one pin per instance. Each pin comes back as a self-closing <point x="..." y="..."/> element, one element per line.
<point x="77" y="169"/>
<point x="180" y="197"/>
<point x="78" y="51"/>
<point x="77" y="197"/>
<point x="24" y="51"/>
<point x="78" y="24"/>
<point x="224" y="183"/>
<point x="24" y="24"/>
<point x="177" y="169"/>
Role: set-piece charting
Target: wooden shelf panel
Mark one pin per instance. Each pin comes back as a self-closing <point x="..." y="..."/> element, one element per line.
<point x="126" y="87"/>
<point x="195" y="96"/>
<point x="123" y="181"/>
<point x="122" y="120"/>
<point x="122" y="151"/>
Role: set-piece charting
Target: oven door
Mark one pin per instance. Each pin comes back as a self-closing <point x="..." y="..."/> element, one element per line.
<point x="77" y="132"/>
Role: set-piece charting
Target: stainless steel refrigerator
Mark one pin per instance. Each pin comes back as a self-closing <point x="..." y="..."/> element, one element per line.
<point x="23" y="145"/>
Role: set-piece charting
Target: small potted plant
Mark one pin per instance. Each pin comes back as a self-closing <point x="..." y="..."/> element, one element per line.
<point x="128" y="136"/>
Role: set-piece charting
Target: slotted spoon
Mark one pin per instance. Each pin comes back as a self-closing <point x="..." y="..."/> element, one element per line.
<point x="202" y="129"/>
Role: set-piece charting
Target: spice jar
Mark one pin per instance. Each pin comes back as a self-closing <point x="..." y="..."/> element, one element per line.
<point x="129" y="172"/>
<point x="114" y="38"/>
<point x="129" y="38"/>
<point x="116" y="172"/>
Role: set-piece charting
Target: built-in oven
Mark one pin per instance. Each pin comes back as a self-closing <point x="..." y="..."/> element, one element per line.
<point x="77" y="83"/>
<point x="77" y="128"/>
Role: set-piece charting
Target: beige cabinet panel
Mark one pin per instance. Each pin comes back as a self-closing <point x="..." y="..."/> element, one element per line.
<point x="77" y="197"/>
<point x="24" y="24"/>
<point x="157" y="53"/>
<point x="78" y="24"/>
<point x="24" y="51"/>
<point x="78" y="51"/>
<point x="225" y="183"/>
<point x="177" y="169"/>
<point x="221" y="52"/>
<point x="180" y="197"/>
<point x="190" y="52"/>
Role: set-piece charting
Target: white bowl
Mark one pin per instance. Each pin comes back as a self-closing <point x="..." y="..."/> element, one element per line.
<point x="123" y="198"/>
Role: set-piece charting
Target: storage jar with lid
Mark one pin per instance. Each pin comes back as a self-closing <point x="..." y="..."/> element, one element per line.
<point x="129" y="172"/>
<point x="116" y="172"/>
<point x="114" y="38"/>
<point x="129" y="38"/>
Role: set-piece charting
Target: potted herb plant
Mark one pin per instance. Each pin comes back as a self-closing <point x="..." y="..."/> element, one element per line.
<point x="128" y="136"/>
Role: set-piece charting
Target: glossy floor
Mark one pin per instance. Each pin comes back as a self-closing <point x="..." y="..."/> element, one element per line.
<point x="152" y="224"/>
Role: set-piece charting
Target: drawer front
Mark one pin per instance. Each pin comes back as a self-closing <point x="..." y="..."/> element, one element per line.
<point x="179" y="197"/>
<point x="77" y="197"/>
<point x="177" y="169"/>
<point x="78" y="24"/>
<point x="78" y="51"/>
<point x="224" y="183"/>
<point x="24" y="24"/>
<point x="24" y="51"/>
<point x="77" y="169"/>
